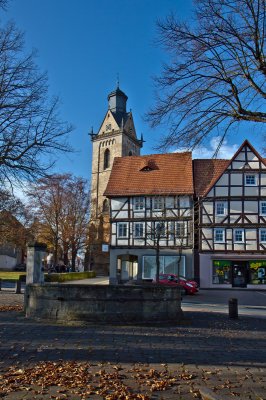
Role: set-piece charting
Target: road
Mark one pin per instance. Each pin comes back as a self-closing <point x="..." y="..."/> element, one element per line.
<point x="250" y="303"/>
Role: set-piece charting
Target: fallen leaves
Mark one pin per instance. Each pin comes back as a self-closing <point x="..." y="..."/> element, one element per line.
<point x="110" y="382"/>
<point x="69" y="378"/>
<point x="16" y="307"/>
<point x="62" y="380"/>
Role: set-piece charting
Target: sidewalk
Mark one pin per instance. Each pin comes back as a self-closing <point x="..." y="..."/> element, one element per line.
<point x="207" y="351"/>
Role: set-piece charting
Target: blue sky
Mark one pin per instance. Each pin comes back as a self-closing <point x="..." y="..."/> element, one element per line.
<point x="83" y="44"/>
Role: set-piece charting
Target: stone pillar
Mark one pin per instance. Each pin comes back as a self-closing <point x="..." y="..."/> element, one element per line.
<point x="35" y="270"/>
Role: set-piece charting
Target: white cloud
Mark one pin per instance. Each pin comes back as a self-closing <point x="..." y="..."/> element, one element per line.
<point x="18" y="189"/>
<point x="226" y="151"/>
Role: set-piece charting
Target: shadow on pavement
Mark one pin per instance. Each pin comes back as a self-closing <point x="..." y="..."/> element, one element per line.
<point x="202" y="339"/>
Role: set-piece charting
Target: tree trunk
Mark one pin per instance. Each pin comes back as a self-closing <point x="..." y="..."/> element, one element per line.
<point x="73" y="259"/>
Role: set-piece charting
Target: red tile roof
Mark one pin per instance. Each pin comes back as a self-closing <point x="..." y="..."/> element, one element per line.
<point x="206" y="173"/>
<point x="151" y="174"/>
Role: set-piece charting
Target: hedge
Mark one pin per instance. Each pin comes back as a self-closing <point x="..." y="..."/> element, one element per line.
<point x="69" y="276"/>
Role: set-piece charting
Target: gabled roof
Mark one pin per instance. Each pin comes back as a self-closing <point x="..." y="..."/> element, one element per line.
<point x="157" y="174"/>
<point x="207" y="172"/>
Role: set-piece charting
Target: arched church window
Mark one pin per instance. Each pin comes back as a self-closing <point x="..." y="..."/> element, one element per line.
<point x="106" y="206"/>
<point x="130" y="153"/>
<point x="106" y="159"/>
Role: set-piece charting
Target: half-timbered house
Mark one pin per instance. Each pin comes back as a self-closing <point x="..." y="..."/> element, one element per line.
<point x="151" y="212"/>
<point x="231" y="232"/>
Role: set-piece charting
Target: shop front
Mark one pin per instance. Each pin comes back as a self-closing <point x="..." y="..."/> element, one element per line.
<point x="140" y="264"/>
<point x="234" y="271"/>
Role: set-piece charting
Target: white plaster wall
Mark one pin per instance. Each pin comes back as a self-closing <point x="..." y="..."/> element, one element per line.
<point x="236" y="179"/>
<point x="206" y="220"/>
<point x="235" y="206"/>
<point x="236" y="191"/>
<point x="208" y="207"/>
<point x="238" y="165"/>
<point x="251" y="207"/>
<point x="211" y="193"/>
<point x="254" y="164"/>
<point x="117" y="203"/>
<point x="251" y="191"/>
<point x="239" y="246"/>
<point x="263" y="179"/>
<point x="221" y="191"/>
<point x="241" y="155"/>
<point x="223" y="180"/>
<point x="205" y="270"/>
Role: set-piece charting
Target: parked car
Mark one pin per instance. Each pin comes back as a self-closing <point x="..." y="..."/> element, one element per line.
<point x="194" y="283"/>
<point x="187" y="286"/>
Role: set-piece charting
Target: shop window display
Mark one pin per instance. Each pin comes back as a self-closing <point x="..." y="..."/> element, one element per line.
<point x="221" y="272"/>
<point x="257" y="272"/>
<point x="168" y="265"/>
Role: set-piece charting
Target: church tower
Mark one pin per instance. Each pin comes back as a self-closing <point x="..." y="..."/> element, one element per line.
<point x="115" y="138"/>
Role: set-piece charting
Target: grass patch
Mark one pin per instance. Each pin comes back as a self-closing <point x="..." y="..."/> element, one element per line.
<point x="69" y="276"/>
<point x="11" y="275"/>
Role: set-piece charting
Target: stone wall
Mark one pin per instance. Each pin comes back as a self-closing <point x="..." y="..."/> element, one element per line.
<point x="118" y="304"/>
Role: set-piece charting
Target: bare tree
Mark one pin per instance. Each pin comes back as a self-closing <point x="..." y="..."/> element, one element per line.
<point x="74" y="223"/>
<point x="46" y="201"/>
<point x="163" y="230"/>
<point x="216" y="76"/>
<point x="31" y="130"/>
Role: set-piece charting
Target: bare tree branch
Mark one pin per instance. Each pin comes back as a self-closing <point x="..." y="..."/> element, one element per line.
<point x="31" y="130"/>
<point x="216" y="77"/>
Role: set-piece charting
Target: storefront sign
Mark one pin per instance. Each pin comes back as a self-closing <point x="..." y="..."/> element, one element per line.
<point x="257" y="264"/>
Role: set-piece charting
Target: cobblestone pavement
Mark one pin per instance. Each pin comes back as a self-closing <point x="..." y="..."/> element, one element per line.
<point x="208" y="356"/>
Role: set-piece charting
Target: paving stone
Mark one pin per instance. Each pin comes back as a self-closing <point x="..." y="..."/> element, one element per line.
<point x="221" y="355"/>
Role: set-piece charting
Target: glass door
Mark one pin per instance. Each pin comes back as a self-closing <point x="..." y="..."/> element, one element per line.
<point x="239" y="274"/>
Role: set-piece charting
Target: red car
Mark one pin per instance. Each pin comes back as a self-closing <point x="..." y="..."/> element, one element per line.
<point x="188" y="286"/>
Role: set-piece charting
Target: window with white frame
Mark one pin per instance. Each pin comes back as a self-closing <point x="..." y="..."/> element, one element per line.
<point x="139" y="203"/>
<point x="157" y="203"/>
<point x="159" y="229"/>
<point x="171" y="230"/>
<point x="251" y="180"/>
<point x="184" y="202"/>
<point x="122" y="230"/>
<point x="219" y="235"/>
<point x="239" y="235"/>
<point x="220" y="208"/>
<point x="138" y="230"/>
<point x="263" y="208"/>
<point x="168" y="265"/>
<point x="263" y="235"/>
<point x="180" y="229"/>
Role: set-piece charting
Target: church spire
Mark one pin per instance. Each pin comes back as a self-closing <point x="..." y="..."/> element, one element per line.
<point x="117" y="101"/>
